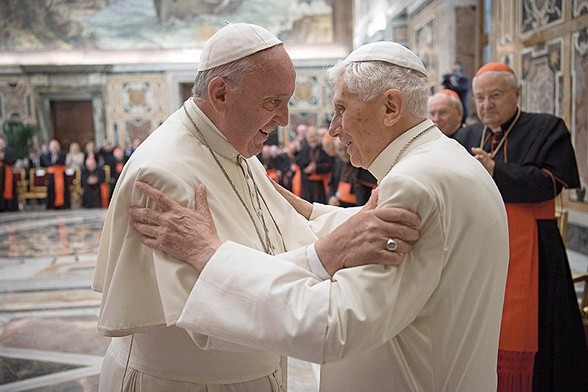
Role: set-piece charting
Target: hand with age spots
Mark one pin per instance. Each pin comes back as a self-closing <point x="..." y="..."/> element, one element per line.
<point x="186" y="234"/>
<point x="190" y="234"/>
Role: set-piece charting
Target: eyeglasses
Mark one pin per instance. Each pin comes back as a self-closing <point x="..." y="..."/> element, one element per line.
<point x="494" y="96"/>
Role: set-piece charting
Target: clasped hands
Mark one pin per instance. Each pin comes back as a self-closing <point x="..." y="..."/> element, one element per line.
<point x="485" y="158"/>
<point x="190" y="235"/>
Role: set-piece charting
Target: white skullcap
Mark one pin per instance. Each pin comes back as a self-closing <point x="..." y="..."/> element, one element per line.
<point x="390" y="52"/>
<point x="233" y="42"/>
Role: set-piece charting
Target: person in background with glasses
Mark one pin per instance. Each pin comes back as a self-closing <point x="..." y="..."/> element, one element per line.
<point x="531" y="158"/>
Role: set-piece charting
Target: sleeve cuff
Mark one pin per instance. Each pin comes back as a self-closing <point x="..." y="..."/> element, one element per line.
<point x="316" y="267"/>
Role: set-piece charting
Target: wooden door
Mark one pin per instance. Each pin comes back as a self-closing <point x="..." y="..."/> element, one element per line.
<point x="73" y="121"/>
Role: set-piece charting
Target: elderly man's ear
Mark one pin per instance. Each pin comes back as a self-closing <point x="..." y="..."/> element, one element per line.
<point x="217" y="90"/>
<point x="394" y="106"/>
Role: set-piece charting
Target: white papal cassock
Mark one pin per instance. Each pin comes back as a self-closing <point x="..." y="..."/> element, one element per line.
<point x="431" y="324"/>
<point x="144" y="292"/>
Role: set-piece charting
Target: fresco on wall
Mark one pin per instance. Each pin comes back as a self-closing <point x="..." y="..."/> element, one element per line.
<point x="152" y="24"/>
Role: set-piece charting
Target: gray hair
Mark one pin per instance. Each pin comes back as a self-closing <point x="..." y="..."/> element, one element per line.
<point x="370" y="79"/>
<point x="235" y="71"/>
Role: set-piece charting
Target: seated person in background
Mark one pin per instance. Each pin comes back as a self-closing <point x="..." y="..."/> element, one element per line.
<point x="8" y="187"/>
<point x="75" y="157"/>
<point x="92" y="179"/>
<point x="58" y="196"/>
<point x="446" y="110"/>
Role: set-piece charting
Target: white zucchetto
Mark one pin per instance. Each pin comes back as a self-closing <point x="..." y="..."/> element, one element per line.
<point x="389" y="52"/>
<point x="233" y="42"/>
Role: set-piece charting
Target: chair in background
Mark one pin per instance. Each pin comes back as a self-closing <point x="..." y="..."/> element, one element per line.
<point x="583" y="280"/>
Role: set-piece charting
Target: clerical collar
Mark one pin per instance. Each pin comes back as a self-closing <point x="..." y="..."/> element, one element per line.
<point x="217" y="141"/>
<point x="381" y="165"/>
<point x="506" y="125"/>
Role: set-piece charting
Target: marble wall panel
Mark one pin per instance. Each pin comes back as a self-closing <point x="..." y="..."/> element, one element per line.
<point x="580" y="8"/>
<point x="15" y="99"/>
<point x="579" y="76"/>
<point x="541" y="78"/>
<point x="135" y="106"/>
<point x="311" y="102"/>
<point x="541" y="14"/>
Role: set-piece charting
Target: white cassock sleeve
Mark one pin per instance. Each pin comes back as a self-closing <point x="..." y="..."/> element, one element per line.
<point x="248" y="298"/>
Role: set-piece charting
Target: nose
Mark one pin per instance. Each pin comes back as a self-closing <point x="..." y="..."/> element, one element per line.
<point x="282" y="115"/>
<point x="335" y="126"/>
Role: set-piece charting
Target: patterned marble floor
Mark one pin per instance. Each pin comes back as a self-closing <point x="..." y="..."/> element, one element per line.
<point x="48" y="338"/>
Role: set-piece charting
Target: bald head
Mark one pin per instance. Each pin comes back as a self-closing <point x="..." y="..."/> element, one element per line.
<point x="446" y="111"/>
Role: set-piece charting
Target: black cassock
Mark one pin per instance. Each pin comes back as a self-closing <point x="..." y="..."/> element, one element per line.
<point x="92" y="197"/>
<point x="537" y="144"/>
<point x="11" y="203"/>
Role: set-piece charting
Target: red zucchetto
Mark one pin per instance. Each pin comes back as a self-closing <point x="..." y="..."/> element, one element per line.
<point x="494" y="66"/>
<point x="449" y="92"/>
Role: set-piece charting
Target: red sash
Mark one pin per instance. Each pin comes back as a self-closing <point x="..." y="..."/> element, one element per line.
<point x="324" y="177"/>
<point x="7" y="194"/>
<point x="58" y="172"/>
<point x="273" y="174"/>
<point x="520" y="316"/>
<point x="344" y="193"/>
<point x="104" y="194"/>
<point x="297" y="181"/>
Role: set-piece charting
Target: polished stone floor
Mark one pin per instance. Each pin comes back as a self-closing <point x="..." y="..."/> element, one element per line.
<point x="48" y="338"/>
<point x="48" y="313"/>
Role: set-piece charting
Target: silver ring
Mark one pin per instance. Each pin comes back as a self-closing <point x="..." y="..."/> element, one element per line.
<point x="391" y="244"/>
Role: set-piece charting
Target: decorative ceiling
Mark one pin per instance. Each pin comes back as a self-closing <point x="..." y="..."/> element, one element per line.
<point x="49" y="25"/>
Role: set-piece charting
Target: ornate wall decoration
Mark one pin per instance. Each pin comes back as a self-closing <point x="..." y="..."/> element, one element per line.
<point x="306" y="94"/>
<point x="311" y="102"/>
<point x="541" y="78"/>
<point x="15" y="100"/>
<point x="139" y="129"/>
<point x="540" y="14"/>
<point x="137" y="97"/>
<point x="579" y="126"/>
<point x="134" y="107"/>
<point x="580" y="8"/>
<point x="426" y="46"/>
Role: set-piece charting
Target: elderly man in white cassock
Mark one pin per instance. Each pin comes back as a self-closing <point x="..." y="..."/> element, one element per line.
<point x="430" y="324"/>
<point x="241" y="92"/>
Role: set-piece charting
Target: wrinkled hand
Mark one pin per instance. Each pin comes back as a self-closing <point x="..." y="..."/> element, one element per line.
<point x="485" y="158"/>
<point x="185" y="234"/>
<point x="301" y="206"/>
<point x="362" y="238"/>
